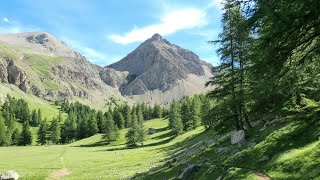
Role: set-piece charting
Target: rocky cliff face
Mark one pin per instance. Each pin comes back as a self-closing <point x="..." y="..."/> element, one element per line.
<point x="10" y="73"/>
<point x="157" y="65"/>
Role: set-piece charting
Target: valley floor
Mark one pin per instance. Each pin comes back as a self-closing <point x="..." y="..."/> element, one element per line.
<point x="91" y="158"/>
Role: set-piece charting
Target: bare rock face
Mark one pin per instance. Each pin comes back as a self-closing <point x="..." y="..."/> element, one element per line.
<point x="114" y="78"/>
<point x="12" y="74"/>
<point x="158" y="64"/>
<point x="238" y="137"/>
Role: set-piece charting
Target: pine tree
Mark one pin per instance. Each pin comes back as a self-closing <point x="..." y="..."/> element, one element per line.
<point x="43" y="132"/>
<point x="3" y="138"/>
<point x="175" y="119"/>
<point x="118" y="119"/>
<point x="15" y="137"/>
<point x="196" y="112"/>
<point x="133" y="133"/>
<point x="101" y="122"/>
<point x="157" y="111"/>
<point x="92" y="124"/>
<point x="26" y="135"/>
<point x="55" y="131"/>
<point x="186" y="114"/>
<point x="34" y="118"/>
<point x="111" y="133"/>
<point x="39" y="116"/>
<point x="127" y="115"/>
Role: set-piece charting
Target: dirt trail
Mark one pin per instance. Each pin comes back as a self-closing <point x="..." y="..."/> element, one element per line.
<point x="262" y="176"/>
<point x="58" y="174"/>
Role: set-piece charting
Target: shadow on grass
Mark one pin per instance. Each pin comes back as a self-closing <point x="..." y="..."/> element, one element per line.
<point x="142" y="146"/>
<point x="273" y="142"/>
<point x="96" y="144"/>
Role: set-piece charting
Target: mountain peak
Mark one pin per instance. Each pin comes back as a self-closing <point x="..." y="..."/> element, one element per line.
<point x="156" y="37"/>
<point x="40" y="43"/>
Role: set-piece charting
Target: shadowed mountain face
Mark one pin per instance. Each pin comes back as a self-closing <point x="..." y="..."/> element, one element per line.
<point x="158" y="64"/>
<point x="156" y="72"/>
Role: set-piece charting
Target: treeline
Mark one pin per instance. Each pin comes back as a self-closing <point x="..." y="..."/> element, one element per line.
<point x="81" y="122"/>
<point x="12" y="111"/>
<point x="269" y="52"/>
<point x="190" y="113"/>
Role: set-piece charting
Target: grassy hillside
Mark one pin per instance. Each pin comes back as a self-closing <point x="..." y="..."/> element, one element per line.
<point x="91" y="158"/>
<point x="48" y="109"/>
<point x="287" y="149"/>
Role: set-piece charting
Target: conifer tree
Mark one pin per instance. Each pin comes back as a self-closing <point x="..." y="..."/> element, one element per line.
<point x="157" y="111"/>
<point x="34" y="118"/>
<point x="92" y="124"/>
<point x="133" y="133"/>
<point x="3" y="138"/>
<point x="55" y="131"/>
<point x="118" y="119"/>
<point x="175" y="119"/>
<point x="26" y="135"/>
<point x="43" y="132"/>
<point x="101" y="122"/>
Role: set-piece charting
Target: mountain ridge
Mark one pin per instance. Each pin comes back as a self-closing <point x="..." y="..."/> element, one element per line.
<point x="150" y="74"/>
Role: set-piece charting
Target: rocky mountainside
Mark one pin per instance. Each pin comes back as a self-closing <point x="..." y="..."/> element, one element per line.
<point x="156" y="72"/>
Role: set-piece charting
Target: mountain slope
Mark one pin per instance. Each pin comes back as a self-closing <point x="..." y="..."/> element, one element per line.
<point x="156" y="72"/>
<point x="160" y="71"/>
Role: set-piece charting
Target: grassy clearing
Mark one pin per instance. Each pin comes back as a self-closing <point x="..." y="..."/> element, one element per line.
<point x="91" y="158"/>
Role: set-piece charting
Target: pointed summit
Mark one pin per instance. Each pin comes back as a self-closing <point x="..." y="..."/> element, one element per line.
<point x="156" y="37"/>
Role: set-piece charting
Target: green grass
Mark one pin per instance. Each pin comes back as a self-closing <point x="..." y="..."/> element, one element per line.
<point x="48" y="109"/>
<point x="91" y="159"/>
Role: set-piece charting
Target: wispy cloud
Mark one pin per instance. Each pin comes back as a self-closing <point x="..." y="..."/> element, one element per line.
<point x="5" y="19"/>
<point x="170" y="23"/>
<point x="94" y="56"/>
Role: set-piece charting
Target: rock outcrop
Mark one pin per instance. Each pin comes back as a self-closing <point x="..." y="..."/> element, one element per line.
<point x="9" y="175"/>
<point x="12" y="74"/>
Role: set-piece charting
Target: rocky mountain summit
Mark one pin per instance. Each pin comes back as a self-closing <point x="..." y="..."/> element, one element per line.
<point x="155" y="72"/>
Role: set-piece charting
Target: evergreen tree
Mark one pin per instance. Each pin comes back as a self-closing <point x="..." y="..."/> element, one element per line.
<point x="196" y="112"/>
<point x="157" y="111"/>
<point x="101" y="122"/>
<point x="229" y="79"/>
<point x="34" y="118"/>
<point x="175" y="119"/>
<point x="92" y="124"/>
<point x="133" y="133"/>
<point x="186" y="114"/>
<point x="111" y="131"/>
<point x="127" y="115"/>
<point x="26" y="135"/>
<point x="118" y="119"/>
<point x="3" y="138"/>
<point x="43" y="132"/>
<point x="15" y="137"/>
<point x="39" y="116"/>
<point x="55" y="131"/>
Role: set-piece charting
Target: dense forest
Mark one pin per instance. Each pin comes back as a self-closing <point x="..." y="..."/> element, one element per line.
<point x="269" y="53"/>
<point x="81" y="122"/>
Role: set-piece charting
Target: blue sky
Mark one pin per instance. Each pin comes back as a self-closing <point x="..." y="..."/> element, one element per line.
<point x="106" y="31"/>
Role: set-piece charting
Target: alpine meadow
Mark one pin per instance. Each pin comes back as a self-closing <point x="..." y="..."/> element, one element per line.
<point x="238" y="98"/>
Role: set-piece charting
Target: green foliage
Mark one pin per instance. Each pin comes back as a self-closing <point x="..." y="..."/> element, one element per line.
<point x="175" y="121"/>
<point x="3" y="138"/>
<point x="26" y="135"/>
<point x="157" y="111"/>
<point x="43" y="132"/>
<point x="55" y="131"/>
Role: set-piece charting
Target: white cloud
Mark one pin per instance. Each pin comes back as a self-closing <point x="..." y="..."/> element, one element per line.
<point x="94" y="56"/>
<point x="170" y="23"/>
<point x="215" y="3"/>
<point x="5" y="19"/>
